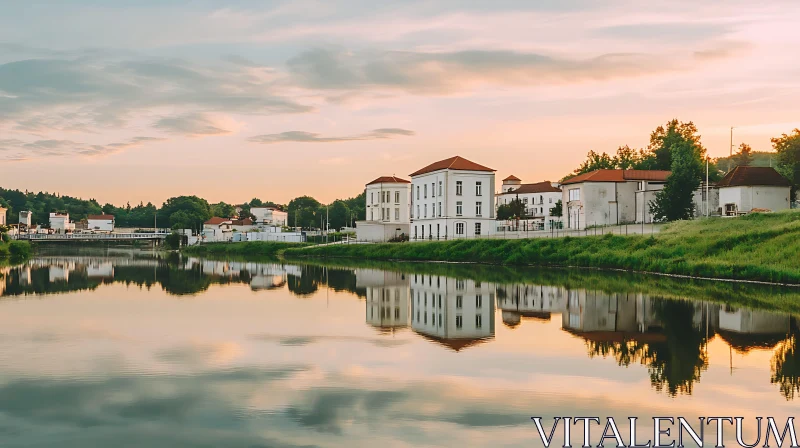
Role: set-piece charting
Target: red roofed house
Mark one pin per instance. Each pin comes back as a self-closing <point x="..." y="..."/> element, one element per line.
<point x="100" y="223"/>
<point x="610" y="197"/>
<point x="746" y="188"/>
<point x="387" y="209"/>
<point x="538" y="198"/>
<point x="452" y="198"/>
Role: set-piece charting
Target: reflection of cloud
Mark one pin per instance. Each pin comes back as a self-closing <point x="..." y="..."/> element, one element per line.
<point x="310" y="137"/>
<point x="306" y="340"/>
<point x="201" y="353"/>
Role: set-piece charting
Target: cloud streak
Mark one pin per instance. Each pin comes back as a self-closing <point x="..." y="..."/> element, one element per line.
<point x="191" y="124"/>
<point x="14" y="150"/>
<point x="309" y="137"/>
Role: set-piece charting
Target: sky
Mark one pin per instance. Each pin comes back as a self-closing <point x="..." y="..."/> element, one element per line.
<point x="141" y="100"/>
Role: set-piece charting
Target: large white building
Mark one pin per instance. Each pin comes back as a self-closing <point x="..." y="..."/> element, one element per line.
<point x="456" y="313"/>
<point x="269" y="216"/>
<point x="100" y="223"/>
<point x="59" y="222"/>
<point x="537" y="198"/>
<point x="747" y="188"/>
<point x="387" y="209"/>
<point x="452" y="198"/>
<point x="610" y="197"/>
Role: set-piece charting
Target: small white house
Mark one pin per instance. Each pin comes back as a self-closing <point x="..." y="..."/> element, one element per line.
<point x="3" y="220"/>
<point x="452" y="198"/>
<point x="537" y="198"/>
<point x="100" y="223"/>
<point x="59" y="223"/>
<point x="25" y="219"/>
<point x="270" y="216"/>
<point x="610" y="197"/>
<point x="387" y="209"/>
<point x="218" y="229"/>
<point x="747" y="188"/>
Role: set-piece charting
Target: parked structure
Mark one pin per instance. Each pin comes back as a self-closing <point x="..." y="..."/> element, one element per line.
<point x="59" y="223"/>
<point x="269" y="216"/>
<point x="100" y="223"/>
<point x="748" y="188"/>
<point x="537" y="198"/>
<point x="387" y="210"/>
<point x="452" y="198"/>
<point x="610" y="197"/>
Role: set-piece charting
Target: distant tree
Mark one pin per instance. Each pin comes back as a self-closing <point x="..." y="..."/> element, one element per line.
<point x="675" y="201"/>
<point x="786" y="367"/>
<point x="223" y="210"/>
<point x="303" y="212"/>
<point x="338" y="214"/>
<point x="255" y="202"/>
<point x="788" y="148"/>
<point x="504" y="212"/>
<point x="743" y="157"/>
<point x="557" y="209"/>
<point x="514" y="209"/>
<point x="185" y="212"/>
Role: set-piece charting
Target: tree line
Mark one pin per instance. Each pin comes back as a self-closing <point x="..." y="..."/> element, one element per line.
<point x="181" y="212"/>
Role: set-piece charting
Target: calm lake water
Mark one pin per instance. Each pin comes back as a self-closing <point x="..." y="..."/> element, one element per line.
<point x="126" y="349"/>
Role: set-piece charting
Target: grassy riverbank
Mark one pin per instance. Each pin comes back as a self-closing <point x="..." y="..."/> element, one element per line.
<point x="761" y="247"/>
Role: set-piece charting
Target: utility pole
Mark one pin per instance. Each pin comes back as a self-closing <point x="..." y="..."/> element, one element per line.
<point x="730" y="158"/>
<point x="707" y="198"/>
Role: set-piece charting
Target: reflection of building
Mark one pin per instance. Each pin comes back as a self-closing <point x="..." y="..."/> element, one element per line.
<point x="599" y="316"/>
<point x="59" y="272"/>
<point x="387" y="297"/>
<point x="530" y="301"/>
<point x="259" y="282"/>
<point x="100" y="269"/>
<point x="745" y="329"/>
<point x="456" y="313"/>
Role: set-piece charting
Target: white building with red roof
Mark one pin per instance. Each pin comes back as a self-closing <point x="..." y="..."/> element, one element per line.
<point x="387" y="209"/>
<point x="452" y="198"/>
<point x="100" y="223"/>
<point x="537" y="198"/>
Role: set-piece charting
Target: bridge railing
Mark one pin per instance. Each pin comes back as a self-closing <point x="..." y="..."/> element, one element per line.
<point x="94" y="236"/>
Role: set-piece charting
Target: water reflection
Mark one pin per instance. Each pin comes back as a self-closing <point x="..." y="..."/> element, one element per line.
<point x="670" y="338"/>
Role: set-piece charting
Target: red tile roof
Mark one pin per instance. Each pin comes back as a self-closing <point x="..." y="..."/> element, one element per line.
<point x="216" y="220"/>
<point x="103" y="217"/>
<point x="619" y="176"/>
<point x="511" y="177"/>
<point x="242" y="222"/>
<point x="453" y="163"/>
<point x="538" y="187"/>
<point x="454" y="344"/>
<point x="743" y="176"/>
<point x="389" y="180"/>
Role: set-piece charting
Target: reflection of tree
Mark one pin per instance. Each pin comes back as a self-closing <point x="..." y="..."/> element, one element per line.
<point x="786" y="367"/>
<point x="675" y="363"/>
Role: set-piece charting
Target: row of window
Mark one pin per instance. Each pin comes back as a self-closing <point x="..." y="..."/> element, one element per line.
<point x="459" y="320"/>
<point x="437" y="212"/>
<point x="459" y="189"/>
<point x="460" y="283"/>
<point x="459" y="300"/>
<point x="460" y="230"/>
<point x="386" y="214"/>
<point x="386" y="196"/>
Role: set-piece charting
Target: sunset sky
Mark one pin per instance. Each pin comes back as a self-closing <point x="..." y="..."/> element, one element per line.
<point x="140" y="100"/>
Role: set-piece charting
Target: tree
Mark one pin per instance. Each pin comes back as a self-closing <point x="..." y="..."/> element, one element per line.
<point x="223" y="210"/>
<point x="189" y="212"/>
<point x="303" y="212"/>
<point x="744" y="157"/>
<point x="788" y="149"/>
<point x="514" y="209"/>
<point x="626" y="158"/>
<point x="675" y="201"/>
<point x="663" y="139"/>
<point x="557" y="209"/>
<point x="338" y="214"/>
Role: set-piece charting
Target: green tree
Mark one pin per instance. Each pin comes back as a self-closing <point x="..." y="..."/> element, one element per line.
<point x="664" y="138"/>
<point x="303" y="212"/>
<point x="223" y="210"/>
<point x="675" y="201"/>
<point x="514" y="209"/>
<point x="557" y="209"/>
<point x="743" y="157"/>
<point x="338" y="214"/>
<point x="185" y="212"/>
<point x="788" y="148"/>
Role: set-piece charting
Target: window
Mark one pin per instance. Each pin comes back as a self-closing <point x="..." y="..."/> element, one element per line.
<point x="459" y="188"/>
<point x="478" y="188"/>
<point x="426" y="318"/>
<point x="383" y="214"/>
<point x="459" y="321"/>
<point x="478" y="208"/>
<point x="478" y="301"/>
<point x="397" y="214"/>
<point x="417" y="191"/>
<point x="541" y="199"/>
<point x="440" y="188"/>
<point x="425" y="298"/>
<point x="397" y="313"/>
<point x="418" y="215"/>
<point x="525" y="201"/>
<point x="459" y="228"/>
<point x="459" y="301"/>
<point x="425" y="209"/>
<point x="440" y="320"/>
<point x="575" y="194"/>
<point x="415" y="232"/>
<point x="551" y="200"/>
<point x="478" y="321"/>
<point x="417" y="315"/>
<point x="440" y="210"/>
<point x="477" y="228"/>
<point x="425" y="191"/>
<point x="460" y="284"/>
<point x="433" y="189"/>
<point x="372" y="198"/>
<point x="459" y="208"/>
<point x="440" y="300"/>
<point x="396" y="197"/>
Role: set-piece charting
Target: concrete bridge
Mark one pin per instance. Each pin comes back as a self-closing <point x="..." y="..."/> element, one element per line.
<point x="85" y="237"/>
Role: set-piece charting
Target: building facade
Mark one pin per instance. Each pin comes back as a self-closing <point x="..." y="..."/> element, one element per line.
<point x="387" y="210"/>
<point x="3" y="219"/>
<point x="537" y="199"/>
<point x="452" y="198"/>
<point x="610" y="197"/>
<point x="269" y="216"/>
<point x="100" y="223"/>
<point x="387" y="305"/>
<point x="748" y="188"/>
<point x="59" y="223"/>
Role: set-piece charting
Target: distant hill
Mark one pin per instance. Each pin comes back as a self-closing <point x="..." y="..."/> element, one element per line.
<point x="760" y="158"/>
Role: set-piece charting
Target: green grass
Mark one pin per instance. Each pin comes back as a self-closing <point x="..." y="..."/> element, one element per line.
<point x="245" y="249"/>
<point x="759" y="247"/>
